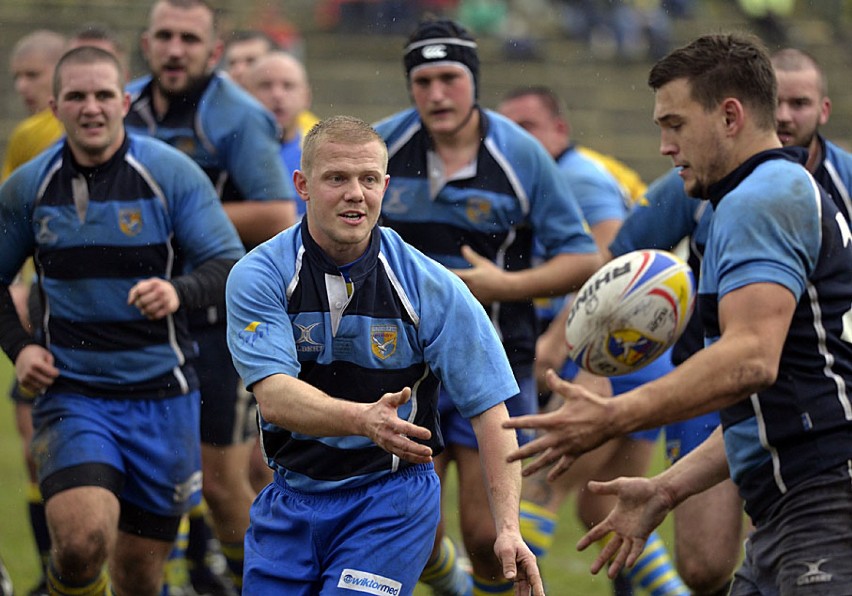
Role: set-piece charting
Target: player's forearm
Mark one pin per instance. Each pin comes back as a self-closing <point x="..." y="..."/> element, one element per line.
<point x="258" y="221"/>
<point x="13" y="336"/>
<point x="704" y="467"/>
<point x="503" y="481"/>
<point x="559" y="275"/>
<point x="712" y="379"/>
<point x="299" y="407"/>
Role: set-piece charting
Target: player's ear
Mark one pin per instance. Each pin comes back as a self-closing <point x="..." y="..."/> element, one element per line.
<point x="300" y="181"/>
<point x="734" y="114"/>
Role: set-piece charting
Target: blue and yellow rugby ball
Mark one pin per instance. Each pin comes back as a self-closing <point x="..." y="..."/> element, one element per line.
<point x="630" y="312"/>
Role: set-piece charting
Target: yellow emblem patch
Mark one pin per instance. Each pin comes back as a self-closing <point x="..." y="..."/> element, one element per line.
<point x="383" y="340"/>
<point x="130" y="221"/>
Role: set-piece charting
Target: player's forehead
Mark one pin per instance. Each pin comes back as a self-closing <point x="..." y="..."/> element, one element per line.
<point x="282" y="73"/>
<point x="29" y="61"/>
<point x="247" y="48"/>
<point x="195" y="20"/>
<point x="429" y="72"/>
<point x="84" y="77"/>
<point x="804" y="81"/>
<point x="350" y="157"/>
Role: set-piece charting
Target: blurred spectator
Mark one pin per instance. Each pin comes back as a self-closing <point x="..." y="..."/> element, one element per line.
<point x="622" y="29"/>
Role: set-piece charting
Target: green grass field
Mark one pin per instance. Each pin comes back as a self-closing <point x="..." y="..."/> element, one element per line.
<point x="564" y="569"/>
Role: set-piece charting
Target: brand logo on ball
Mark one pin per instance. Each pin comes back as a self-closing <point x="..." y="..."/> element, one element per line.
<point x="435" y="52"/>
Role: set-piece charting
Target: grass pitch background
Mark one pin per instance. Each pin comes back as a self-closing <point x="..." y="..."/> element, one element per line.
<point x="564" y="569"/>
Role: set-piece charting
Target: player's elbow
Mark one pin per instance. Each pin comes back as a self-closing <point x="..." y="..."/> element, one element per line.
<point x="757" y="373"/>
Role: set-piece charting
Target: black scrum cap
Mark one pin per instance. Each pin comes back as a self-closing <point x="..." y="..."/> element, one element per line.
<point x="442" y="42"/>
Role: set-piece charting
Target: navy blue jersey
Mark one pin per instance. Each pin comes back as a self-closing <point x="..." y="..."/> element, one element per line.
<point x="224" y="130"/>
<point x="393" y="318"/>
<point x="95" y="232"/>
<point x="512" y="192"/>
<point x="834" y="174"/>
<point x="773" y="223"/>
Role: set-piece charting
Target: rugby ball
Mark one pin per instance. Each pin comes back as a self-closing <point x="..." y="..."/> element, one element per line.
<point x="630" y="312"/>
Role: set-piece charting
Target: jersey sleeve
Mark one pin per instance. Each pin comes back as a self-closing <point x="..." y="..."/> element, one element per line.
<point x="664" y="218"/>
<point x="17" y="241"/>
<point x="555" y="214"/>
<point x="251" y="153"/>
<point x="759" y="236"/>
<point x="597" y="193"/>
<point x="460" y="343"/>
<point x="202" y="229"/>
<point x="260" y="334"/>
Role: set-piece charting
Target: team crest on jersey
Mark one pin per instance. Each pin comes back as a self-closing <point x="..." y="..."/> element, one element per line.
<point x="186" y="145"/>
<point x="45" y="235"/>
<point x="130" y="221"/>
<point x="478" y="210"/>
<point x="631" y="347"/>
<point x="383" y="340"/>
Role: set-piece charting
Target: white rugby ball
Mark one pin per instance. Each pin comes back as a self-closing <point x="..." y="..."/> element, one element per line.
<point x="630" y="312"/>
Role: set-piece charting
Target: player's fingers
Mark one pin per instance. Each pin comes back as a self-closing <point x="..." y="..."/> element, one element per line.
<point x="607" y="552"/>
<point x="593" y="535"/>
<point x="563" y="465"/>
<point x="542" y="461"/>
<point x="636" y="550"/>
<point x="617" y="563"/>
<point x="538" y="445"/>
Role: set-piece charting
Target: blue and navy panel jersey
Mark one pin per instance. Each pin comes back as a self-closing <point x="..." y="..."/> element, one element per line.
<point x="392" y="319"/>
<point x="94" y="233"/>
<point x="513" y="191"/>
<point x="224" y="130"/>
<point x="773" y="223"/>
<point x="597" y="192"/>
<point x="834" y="174"/>
<point x="665" y="217"/>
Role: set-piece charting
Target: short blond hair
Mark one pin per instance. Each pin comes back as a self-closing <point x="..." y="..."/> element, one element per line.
<point x="339" y="129"/>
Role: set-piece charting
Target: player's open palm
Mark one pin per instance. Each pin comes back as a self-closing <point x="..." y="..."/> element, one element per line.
<point x="639" y="510"/>
<point x="386" y="429"/>
<point x="579" y="425"/>
<point x="519" y="564"/>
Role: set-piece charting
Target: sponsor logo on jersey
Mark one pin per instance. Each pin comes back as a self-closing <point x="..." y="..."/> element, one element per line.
<point x="253" y="332"/>
<point x="435" y="52"/>
<point x="383" y="340"/>
<point x="814" y="575"/>
<point x="369" y="583"/>
<point x="305" y="342"/>
<point x="130" y="221"/>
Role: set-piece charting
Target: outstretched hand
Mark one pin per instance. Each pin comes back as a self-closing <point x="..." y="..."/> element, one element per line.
<point x="641" y="507"/>
<point x="579" y="425"/>
<point x="385" y="428"/>
<point x="519" y="564"/>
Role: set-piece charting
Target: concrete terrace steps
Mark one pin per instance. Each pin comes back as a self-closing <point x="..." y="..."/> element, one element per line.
<point x="609" y="102"/>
